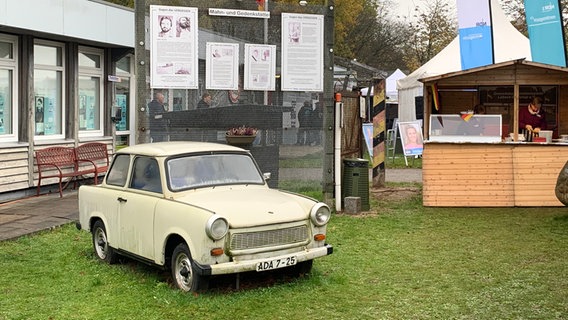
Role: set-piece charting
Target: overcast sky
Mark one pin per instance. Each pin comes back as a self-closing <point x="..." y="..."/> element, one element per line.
<point x="406" y="7"/>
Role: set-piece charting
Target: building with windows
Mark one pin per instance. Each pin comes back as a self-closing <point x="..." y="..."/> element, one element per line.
<point x="67" y="77"/>
<point x="64" y="65"/>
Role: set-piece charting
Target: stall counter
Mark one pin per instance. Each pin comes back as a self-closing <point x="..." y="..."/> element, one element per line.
<point x="491" y="174"/>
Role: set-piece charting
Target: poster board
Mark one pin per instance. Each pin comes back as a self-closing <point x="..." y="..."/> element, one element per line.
<point x="411" y="138"/>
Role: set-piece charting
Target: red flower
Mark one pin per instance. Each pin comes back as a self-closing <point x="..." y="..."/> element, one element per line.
<point x="242" y="131"/>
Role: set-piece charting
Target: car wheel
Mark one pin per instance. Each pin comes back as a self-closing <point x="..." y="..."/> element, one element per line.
<point x="100" y="244"/>
<point x="183" y="271"/>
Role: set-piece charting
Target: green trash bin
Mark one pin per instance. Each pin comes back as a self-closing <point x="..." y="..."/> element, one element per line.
<point x="356" y="181"/>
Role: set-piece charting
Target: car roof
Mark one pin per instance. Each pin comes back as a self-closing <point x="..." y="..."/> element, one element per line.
<point x="176" y="147"/>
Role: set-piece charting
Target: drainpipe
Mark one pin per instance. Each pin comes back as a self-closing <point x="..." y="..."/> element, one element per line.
<point x="337" y="149"/>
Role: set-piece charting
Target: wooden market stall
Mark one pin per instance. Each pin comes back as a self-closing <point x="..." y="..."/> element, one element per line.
<point x="493" y="168"/>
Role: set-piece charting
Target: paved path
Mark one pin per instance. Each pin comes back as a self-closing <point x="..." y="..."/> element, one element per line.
<point x="403" y="175"/>
<point x="33" y="214"/>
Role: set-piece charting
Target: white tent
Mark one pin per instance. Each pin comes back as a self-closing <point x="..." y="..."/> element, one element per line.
<point x="391" y="91"/>
<point x="508" y="43"/>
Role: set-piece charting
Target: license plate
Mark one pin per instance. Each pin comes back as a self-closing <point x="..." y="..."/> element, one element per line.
<point x="275" y="264"/>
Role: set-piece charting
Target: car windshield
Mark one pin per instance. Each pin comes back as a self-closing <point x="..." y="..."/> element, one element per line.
<point x="196" y="171"/>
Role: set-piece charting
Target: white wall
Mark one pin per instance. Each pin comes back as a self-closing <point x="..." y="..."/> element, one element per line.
<point x="83" y="19"/>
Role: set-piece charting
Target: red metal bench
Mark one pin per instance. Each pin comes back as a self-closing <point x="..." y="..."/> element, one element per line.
<point x="96" y="153"/>
<point x="59" y="162"/>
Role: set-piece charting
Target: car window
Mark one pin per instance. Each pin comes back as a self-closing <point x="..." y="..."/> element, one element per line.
<point x="118" y="171"/>
<point x="146" y="175"/>
<point x="210" y="170"/>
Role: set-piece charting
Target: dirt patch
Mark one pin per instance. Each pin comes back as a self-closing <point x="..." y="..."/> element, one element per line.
<point x="394" y="194"/>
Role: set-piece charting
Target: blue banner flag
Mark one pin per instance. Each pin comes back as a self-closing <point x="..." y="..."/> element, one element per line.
<point x="475" y="32"/>
<point x="545" y="32"/>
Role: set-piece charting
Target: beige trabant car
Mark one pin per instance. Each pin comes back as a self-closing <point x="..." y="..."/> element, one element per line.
<point x="200" y="209"/>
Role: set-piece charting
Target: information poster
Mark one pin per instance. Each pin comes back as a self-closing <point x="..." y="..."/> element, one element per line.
<point x="260" y="67"/>
<point x="82" y="112"/>
<point x="4" y="121"/>
<point x="39" y="115"/>
<point x="302" y="52"/>
<point x="121" y="102"/>
<point x="90" y="113"/>
<point x="174" y="47"/>
<point x="50" y="126"/>
<point x="87" y="117"/>
<point x="222" y="66"/>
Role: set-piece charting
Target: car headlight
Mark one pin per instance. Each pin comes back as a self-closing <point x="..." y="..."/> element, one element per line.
<point x="320" y="214"/>
<point x="217" y="227"/>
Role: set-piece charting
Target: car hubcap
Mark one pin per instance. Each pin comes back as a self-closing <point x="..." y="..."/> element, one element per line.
<point x="101" y="243"/>
<point x="183" y="273"/>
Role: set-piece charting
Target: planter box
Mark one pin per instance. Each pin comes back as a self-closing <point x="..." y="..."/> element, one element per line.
<point x="240" y="140"/>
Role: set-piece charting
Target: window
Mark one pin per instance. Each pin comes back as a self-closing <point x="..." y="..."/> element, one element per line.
<point x="123" y="100"/>
<point x="146" y="175"/>
<point x="119" y="171"/>
<point x="48" y="90"/>
<point x="8" y="96"/>
<point x="499" y="100"/>
<point x="90" y="92"/>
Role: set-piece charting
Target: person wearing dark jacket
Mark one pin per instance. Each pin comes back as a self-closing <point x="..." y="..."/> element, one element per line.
<point x="157" y="124"/>
<point x="304" y="118"/>
<point x="205" y="101"/>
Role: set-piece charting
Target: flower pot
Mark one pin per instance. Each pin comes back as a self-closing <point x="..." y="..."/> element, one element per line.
<point x="240" y="140"/>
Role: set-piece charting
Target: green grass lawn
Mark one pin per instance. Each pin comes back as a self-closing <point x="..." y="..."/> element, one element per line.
<point x="400" y="261"/>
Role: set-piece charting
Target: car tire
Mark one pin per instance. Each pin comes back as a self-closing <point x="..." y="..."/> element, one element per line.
<point x="184" y="273"/>
<point x="100" y="244"/>
<point x="304" y="267"/>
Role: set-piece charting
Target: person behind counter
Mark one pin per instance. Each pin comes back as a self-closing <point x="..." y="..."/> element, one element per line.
<point x="532" y="118"/>
<point x="473" y="126"/>
<point x="479" y="109"/>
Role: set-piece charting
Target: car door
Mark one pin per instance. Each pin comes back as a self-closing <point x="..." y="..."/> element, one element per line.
<point x="137" y="205"/>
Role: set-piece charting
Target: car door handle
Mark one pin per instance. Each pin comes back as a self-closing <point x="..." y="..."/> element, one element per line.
<point x="121" y="199"/>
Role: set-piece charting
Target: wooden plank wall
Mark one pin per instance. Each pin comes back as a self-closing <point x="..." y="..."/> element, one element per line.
<point x="14" y="168"/>
<point x="491" y="175"/>
<point x="536" y="171"/>
<point x="453" y="102"/>
<point x="467" y="175"/>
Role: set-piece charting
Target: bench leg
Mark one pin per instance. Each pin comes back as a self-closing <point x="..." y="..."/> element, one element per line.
<point x="60" y="188"/>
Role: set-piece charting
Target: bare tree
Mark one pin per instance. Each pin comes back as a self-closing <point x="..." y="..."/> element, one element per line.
<point x="433" y="30"/>
<point x="377" y="39"/>
<point x="515" y="10"/>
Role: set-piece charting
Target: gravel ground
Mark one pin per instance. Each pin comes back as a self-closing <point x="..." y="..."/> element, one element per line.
<point x="403" y="175"/>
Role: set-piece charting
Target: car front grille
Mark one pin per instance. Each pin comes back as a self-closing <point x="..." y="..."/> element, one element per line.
<point x="269" y="238"/>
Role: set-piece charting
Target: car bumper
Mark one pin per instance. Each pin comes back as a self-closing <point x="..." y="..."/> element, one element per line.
<point x="250" y="265"/>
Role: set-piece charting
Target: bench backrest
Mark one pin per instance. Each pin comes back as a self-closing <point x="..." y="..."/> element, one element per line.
<point x="92" y="151"/>
<point x="59" y="156"/>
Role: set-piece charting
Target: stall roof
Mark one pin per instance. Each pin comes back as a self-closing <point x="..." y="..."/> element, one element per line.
<point x="550" y="70"/>
<point x="508" y="43"/>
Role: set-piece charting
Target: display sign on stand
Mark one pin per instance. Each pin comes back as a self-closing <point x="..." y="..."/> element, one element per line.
<point x="411" y="139"/>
